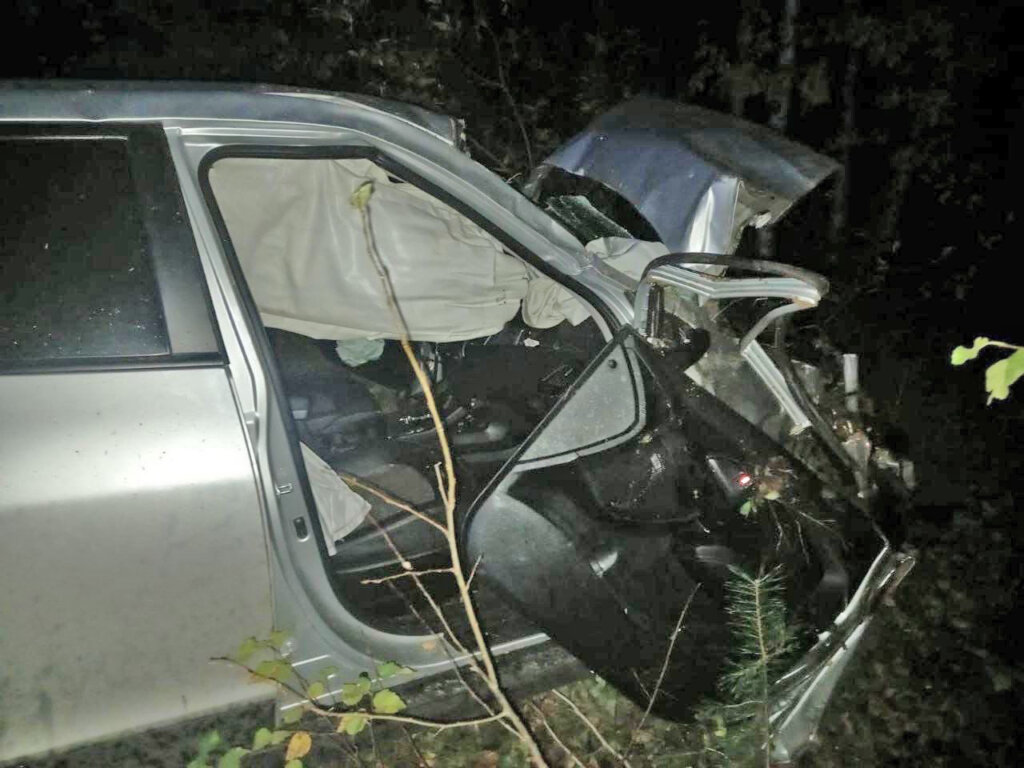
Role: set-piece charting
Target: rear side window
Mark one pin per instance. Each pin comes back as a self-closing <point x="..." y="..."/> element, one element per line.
<point x="76" y="276"/>
<point x="97" y="261"/>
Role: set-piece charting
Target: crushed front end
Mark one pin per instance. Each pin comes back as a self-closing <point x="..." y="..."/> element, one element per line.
<point x="660" y="193"/>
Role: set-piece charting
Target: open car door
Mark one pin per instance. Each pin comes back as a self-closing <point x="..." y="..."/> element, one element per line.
<point x="619" y="523"/>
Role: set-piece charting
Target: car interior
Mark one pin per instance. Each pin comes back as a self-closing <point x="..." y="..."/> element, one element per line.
<point x="500" y="342"/>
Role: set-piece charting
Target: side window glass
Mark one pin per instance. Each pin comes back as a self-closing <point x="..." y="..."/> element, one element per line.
<point x="76" y="275"/>
<point x="604" y="408"/>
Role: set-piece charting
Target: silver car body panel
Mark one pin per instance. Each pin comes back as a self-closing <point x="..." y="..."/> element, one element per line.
<point x="70" y="100"/>
<point x="699" y="177"/>
<point x="801" y="695"/>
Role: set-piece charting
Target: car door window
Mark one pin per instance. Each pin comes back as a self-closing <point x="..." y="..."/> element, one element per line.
<point x="77" y="278"/>
<point x="97" y="261"/>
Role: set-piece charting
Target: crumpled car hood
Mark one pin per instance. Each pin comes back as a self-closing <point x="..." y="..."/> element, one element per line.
<point x="697" y="176"/>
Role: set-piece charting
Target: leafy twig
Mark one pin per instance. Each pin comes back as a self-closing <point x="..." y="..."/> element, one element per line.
<point x="999" y="376"/>
<point x="312" y="706"/>
<point x="446" y="628"/>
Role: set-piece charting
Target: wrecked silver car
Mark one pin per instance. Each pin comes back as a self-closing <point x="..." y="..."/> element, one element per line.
<point x="195" y="350"/>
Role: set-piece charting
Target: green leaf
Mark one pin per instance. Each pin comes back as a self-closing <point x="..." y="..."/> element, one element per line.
<point x="292" y="715"/>
<point x="352" y="723"/>
<point x="361" y="196"/>
<point x="248" y="647"/>
<point x="295" y="763"/>
<point x="1000" y="376"/>
<point x="208" y="742"/>
<point x="962" y="354"/>
<point x="279" y="736"/>
<point x="197" y="763"/>
<point x="720" y="729"/>
<point x="274" y="669"/>
<point x="278" y="638"/>
<point x="232" y="758"/>
<point x="352" y="693"/>
<point x="387" y="702"/>
<point x="316" y="690"/>
<point x="262" y="738"/>
<point x="386" y="669"/>
<point x="298" y="745"/>
<point x="747" y="508"/>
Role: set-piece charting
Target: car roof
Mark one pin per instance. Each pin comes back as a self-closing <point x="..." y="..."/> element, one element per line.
<point x="128" y="100"/>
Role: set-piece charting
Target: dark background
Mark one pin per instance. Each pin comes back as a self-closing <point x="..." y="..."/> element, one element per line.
<point x="920" y="101"/>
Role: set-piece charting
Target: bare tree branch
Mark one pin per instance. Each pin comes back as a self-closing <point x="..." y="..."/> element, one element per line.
<point x="661" y="675"/>
<point x="593" y="728"/>
<point x="394" y="501"/>
<point x="554" y="736"/>
<point x="502" y="85"/>
<point x="472" y="571"/>
<point x="403" y="574"/>
<point x="447" y="485"/>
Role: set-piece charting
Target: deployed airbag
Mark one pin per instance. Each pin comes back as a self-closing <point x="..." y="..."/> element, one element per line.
<point x="339" y="508"/>
<point x="304" y="254"/>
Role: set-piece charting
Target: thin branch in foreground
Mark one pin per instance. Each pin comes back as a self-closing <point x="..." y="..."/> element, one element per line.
<point x="497" y="164"/>
<point x="593" y="728"/>
<point x="472" y="571"/>
<point x="387" y="498"/>
<point x="511" y="99"/>
<point x="445" y="626"/>
<point x="440" y="484"/>
<point x="361" y="201"/>
<point x="373" y="743"/>
<point x="456" y="667"/>
<point x="661" y="675"/>
<point x="554" y="737"/>
<point x="502" y="85"/>
<point x="405" y="563"/>
<point x="421" y="761"/>
<point x="394" y="576"/>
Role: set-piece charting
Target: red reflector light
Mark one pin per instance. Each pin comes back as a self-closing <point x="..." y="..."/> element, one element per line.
<point x="743" y="480"/>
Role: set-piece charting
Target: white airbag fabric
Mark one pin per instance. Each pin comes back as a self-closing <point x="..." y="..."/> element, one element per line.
<point x="546" y="303"/>
<point x="340" y="509"/>
<point x="302" y="249"/>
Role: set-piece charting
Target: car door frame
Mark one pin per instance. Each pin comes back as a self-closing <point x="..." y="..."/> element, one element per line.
<point x="305" y="603"/>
